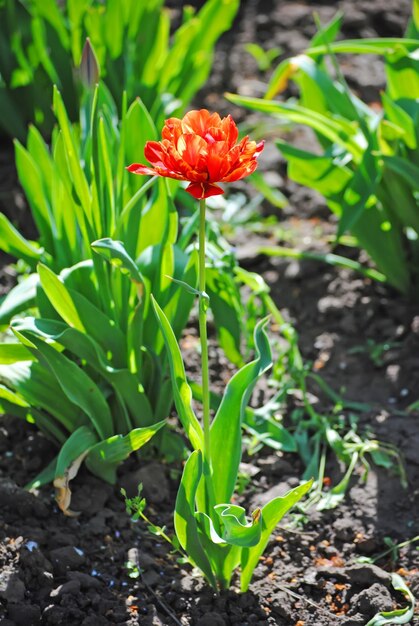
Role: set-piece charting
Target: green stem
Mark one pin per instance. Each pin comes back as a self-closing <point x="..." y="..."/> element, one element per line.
<point x="203" y="305"/>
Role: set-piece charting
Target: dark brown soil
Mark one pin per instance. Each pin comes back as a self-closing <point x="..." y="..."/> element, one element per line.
<point x="56" y="570"/>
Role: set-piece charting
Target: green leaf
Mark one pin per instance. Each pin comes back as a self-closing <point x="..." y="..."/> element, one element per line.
<point x="79" y="182"/>
<point x="133" y="205"/>
<point x="226" y="426"/>
<point x="84" y="347"/>
<point x="416" y="13"/>
<point x="335" y="129"/>
<point x="59" y="297"/>
<point x="185" y="522"/>
<point x="381" y="45"/>
<point x="181" y="390"/>
<point x="101" y="327"/>
<point x="158" y="220"/>
<point x="398" y="616"/>
<point x="271" y="515"/>
<point x="77" y="385"/>
<point x="11" y="396"/>
<point x="327" y="175"/>
<point x="319" y="92"/>
<point x="20" y="298"/>
<point x="237" y="530"/>
<point x="268" y="431"/>
<point x="404" y="168"/>
<point x="328" y="33"/>
<point x="12" y="242"/>
<point x="103" y="458"/>
<point x="358" y="192"/>
<point x="32" y="179"/>
<point x="14" y="352"/>
<point x="402" y="70"/>
<point x="225" y="303"/>
<point x="224" y="557"/>
<point x="397" y="114"/>
<point x="140" y="128"/>
<point x="116" y="254"/>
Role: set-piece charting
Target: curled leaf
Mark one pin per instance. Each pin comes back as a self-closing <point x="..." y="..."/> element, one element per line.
<point x="237" y="530"/>
<point x="71" y="456"/>
<point x="62" y="486"/>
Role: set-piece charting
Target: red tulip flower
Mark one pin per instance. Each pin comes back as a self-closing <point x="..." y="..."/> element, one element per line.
<point x="200" y="148"/>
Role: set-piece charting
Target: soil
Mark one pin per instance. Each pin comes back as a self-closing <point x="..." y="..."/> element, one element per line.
<point x="363" y="340"/>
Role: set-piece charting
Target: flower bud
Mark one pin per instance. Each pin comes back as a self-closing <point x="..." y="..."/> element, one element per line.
<point x="89" y="66"/>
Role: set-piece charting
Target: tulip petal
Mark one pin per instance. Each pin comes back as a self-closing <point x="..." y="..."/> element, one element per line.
<point x="259" y="147"/>
<point x="155" y="153"/>
<point x="230" y="130"/>
<point x="172" y="129"/>
<point x="195" y="122"/>
<point x="240" y="172"/>
<point x="193" y="150"/>
<point x="137" y="168"/>
<point x="218" y="161"/>
<point x="203" y="190"/>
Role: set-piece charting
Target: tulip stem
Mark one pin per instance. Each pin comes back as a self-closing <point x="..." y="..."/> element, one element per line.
<point x="203" y="306"/>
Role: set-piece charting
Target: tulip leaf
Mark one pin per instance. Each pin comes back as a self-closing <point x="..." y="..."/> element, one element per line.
<point x="31" y="179"/>
<point x="13" y="353"/>
<point x="336" y="130"/>
<point x="322" y="173"/>
<point x="59" y="296"/>
<point x="116" y="254"/>
<point x="124" y="382"/>
<point x="226" y="308"/>
<point x="407" y="170"/>
<point x="271" y="515"/>
<point x="37" y="385"/>
<point x="181" y="389"/>
<point x="227" y="423"/>
<point x="397" y="616"/>
<point x="208" y="528"/>
<point x="12" y="242"/>
<point x="103" y="458"/>
<point x="76" y="384"/>
<point x="381" y="45"/>
<point x="186" y="525"/>
<point x="79" y="182"/>
<point x="20" y="298"/>
<point x="12" y="397"/>
<point x="236" y="529"/>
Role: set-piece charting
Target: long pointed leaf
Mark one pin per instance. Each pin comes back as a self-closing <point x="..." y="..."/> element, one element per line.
<point x="271" y="515"/>
<point x="181" y="390"/>
<point x="12" y="242"/>
<point x="226" y="427"/>
<point x="59" y="297"/>
<point x="20" y="298"/>
<point x="103" y="459"/>
<point x="77" y="386"/>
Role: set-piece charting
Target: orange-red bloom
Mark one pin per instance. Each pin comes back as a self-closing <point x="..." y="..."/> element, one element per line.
<point x="200" y="148"/>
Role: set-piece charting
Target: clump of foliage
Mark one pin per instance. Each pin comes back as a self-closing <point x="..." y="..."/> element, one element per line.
<point x="42" y="43"/>
<point x="368" y="170"/>
<point x="89" y="365"/>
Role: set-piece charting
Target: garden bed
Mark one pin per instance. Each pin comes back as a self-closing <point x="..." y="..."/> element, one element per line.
<point x="363" y="340"/>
